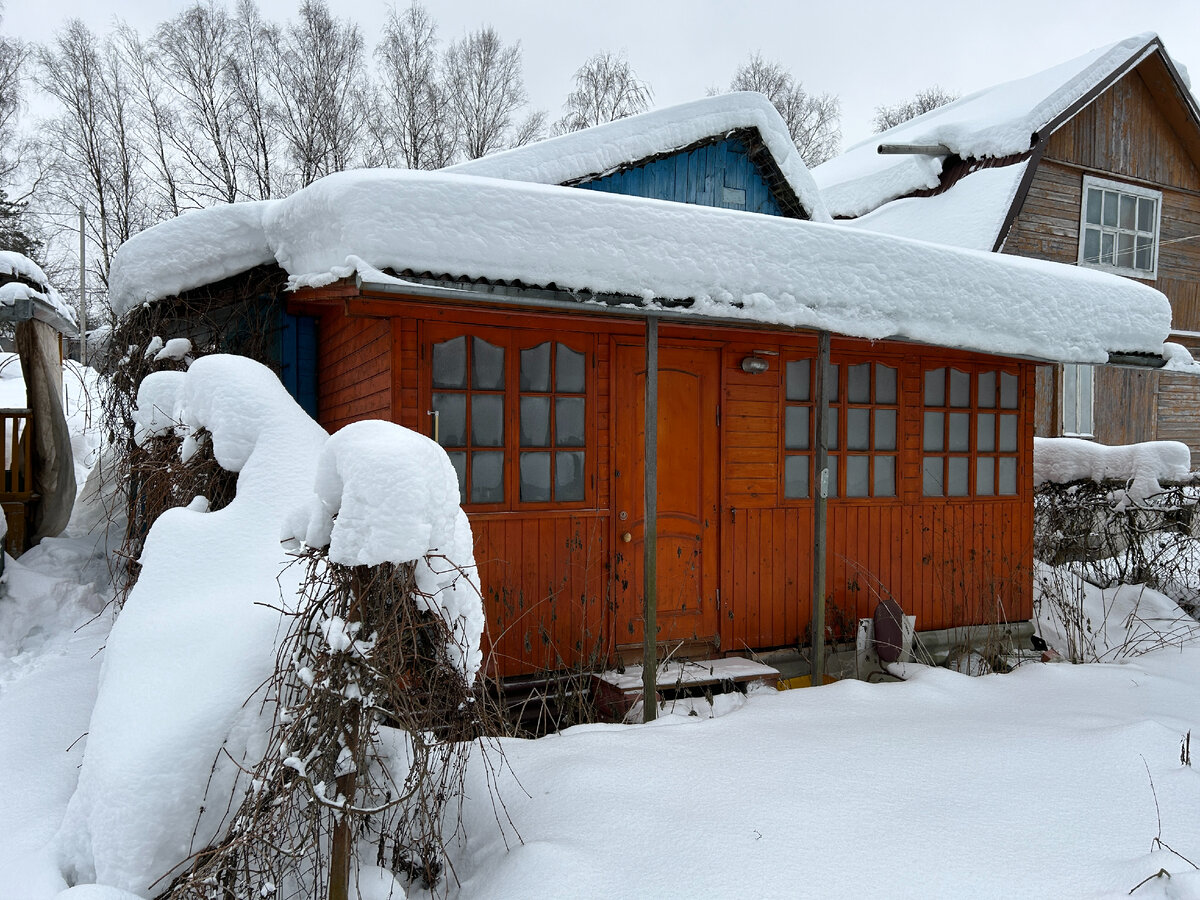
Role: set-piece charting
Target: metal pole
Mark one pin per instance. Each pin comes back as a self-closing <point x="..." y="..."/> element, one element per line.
<point x="820" y="417"/>
<point x="82" y="292"/>
<point x="650" y="528"/>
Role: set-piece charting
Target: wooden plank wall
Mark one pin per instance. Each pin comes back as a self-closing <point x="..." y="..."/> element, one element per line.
<point x="1125" y="135"/>
<point x="695" y="176"/>
<point x="354" y="370"/>
<point x="948" y="562"/>
<point x="547" y="576"/>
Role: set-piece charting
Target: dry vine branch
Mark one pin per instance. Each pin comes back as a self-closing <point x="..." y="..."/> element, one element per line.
<point x="237" y="315"/>
<point x="373" y="726"/>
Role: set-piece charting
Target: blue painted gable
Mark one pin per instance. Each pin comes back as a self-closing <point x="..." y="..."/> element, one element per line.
<point x="718" y="174"/>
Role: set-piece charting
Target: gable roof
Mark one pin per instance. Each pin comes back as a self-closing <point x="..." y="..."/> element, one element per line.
<point x="623" y="255"/>
<point x="1006" y="120"/>
<point x="603" y="149"/>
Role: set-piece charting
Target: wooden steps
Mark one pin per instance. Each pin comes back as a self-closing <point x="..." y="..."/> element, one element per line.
<point x="615" y="692"/>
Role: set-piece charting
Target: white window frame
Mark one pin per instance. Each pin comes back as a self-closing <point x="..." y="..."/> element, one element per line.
<point x="1078" y="407"/>
<point x="1133" y="190"/>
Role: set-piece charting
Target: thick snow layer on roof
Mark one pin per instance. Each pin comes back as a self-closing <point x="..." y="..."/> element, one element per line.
<point x="604" y="148"/>
<point x="198" y="247"/>
<point x="996" y="121"/>
<point x="731" y="264"/>
<point x="1142" y="466"/>
<point x="970" y="214"/>
<point x="13" y="263"/>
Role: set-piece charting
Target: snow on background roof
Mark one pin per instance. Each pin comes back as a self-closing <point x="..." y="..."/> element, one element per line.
<point x="605" y="148"/>
<point x="731" y="264"/>
<point x="996" y="121"/>
<point x="969" y="215"/>
<point x="21" y="266"/>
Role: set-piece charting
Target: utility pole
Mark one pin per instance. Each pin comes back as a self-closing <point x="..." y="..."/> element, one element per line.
<point x="82" y="291"/>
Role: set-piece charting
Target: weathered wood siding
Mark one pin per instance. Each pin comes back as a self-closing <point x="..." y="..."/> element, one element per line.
<point x="698" y="176"/>
<point x="1126" y="134"/>
<point x="354" y="370"/>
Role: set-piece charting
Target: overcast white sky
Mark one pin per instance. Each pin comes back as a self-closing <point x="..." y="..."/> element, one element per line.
<point x="867" y="52"/>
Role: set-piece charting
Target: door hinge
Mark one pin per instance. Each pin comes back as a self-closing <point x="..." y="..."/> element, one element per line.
<point x="718" y="600"/>
<point x="718" y="415"/>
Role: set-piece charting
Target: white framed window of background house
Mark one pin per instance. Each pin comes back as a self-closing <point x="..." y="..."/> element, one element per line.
<point x="1118" y="227"/>
<point x="1077" y="381"/>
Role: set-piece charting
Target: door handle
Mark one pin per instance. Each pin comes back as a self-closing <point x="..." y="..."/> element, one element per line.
<point x="627" y="537"/>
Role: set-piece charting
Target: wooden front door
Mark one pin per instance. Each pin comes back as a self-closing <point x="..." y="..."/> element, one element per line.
<point x="688" y="497"/>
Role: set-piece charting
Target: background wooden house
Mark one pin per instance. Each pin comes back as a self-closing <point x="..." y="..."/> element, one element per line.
<point x="1094" y="162"/>
<point x="516" y="323"/>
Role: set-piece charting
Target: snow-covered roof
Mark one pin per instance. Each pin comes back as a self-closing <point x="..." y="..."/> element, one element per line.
<point x="606" y="148"/>
<point x="994" y="122"/>
<point x="971" y="214"/>
<point x="33" y="296"/>
<point x="727" y="264"/>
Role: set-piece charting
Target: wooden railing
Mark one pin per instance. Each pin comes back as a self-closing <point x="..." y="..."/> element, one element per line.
<point x="16" y="436"/>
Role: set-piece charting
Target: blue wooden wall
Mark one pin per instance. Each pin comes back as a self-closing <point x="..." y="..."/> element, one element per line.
<point x="298" y="359"/>
<point x="719" y="174"/>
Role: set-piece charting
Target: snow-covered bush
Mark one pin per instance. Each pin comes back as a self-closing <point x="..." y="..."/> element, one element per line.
<point x="225" y="637"/>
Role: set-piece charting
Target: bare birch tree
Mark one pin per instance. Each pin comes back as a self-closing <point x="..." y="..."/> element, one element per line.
<point x="13" y="56"/>
<point x="925" y="100"/>
<point x="194" y="53"/>
<point x="812" y="119"/>
<point x="606" y="89"/>
<point x="319" y="79"/>
<point x="416" y="127"/>
<point x="255" y="44"/>
<point x="98" y="159"/>
<point x="486" y="89"/>
<point x="158" y="119"/>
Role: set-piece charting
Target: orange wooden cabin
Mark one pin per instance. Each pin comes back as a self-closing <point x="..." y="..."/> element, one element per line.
<point x="514" y="325"/>
<point x="542" y="412"/>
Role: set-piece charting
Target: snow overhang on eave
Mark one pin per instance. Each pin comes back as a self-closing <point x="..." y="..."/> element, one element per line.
<point x="627" y="306"/>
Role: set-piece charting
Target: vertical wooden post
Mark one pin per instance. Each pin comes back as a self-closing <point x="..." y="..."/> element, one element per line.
<point x="82" y="292"/>
<point x="820" y="495"/>
<point x="650" y="528"/>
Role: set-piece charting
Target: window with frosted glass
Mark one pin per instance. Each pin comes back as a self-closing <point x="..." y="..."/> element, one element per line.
<point x="468" y="381"/>
<point x="1119" y="227"/>
<point x="860" y="429"/>
<point x="553" y="417"/>
<point x="970" y="433"/>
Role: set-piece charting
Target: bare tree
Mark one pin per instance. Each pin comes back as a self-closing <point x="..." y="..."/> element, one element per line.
<point x="606" y="89"/>
<point x="194" y="53"/>
<point x="159" y="121"/>
<point x="929" y="99"/>
<point x="13" y="54"/>
<point x="98" y="161"/>
<point x="319" y="79"/>
<point x="486" y="89"/>
<point x="417" y="128"/>
<point x="812" y="119"/>
<point x="255" y="43"/>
